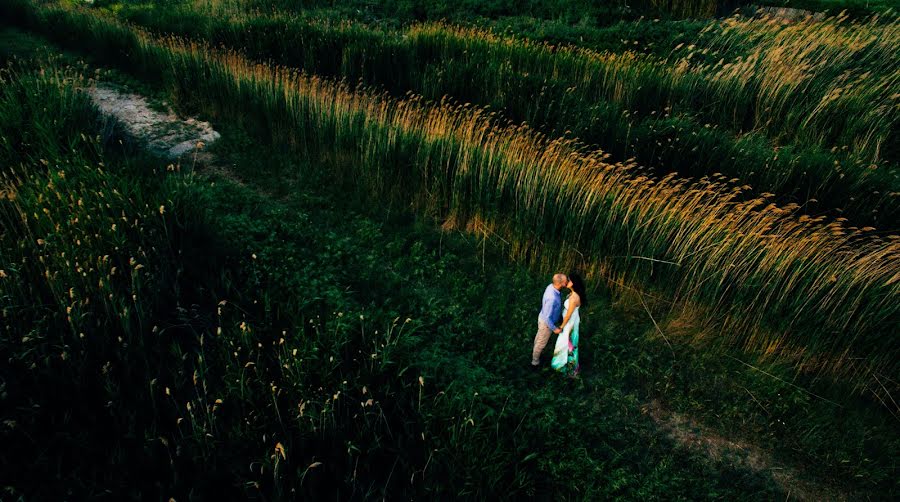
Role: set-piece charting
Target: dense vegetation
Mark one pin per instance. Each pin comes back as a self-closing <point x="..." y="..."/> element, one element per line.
<point x="584" y="13"/>
<point x="798" y="111"/>
<point x="756" y="264"/>
<point x="398" y="11"/>
<point x="250" y="333"/>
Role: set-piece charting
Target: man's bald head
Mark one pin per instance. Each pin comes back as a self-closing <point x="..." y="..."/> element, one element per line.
<point x="559" y="281"/>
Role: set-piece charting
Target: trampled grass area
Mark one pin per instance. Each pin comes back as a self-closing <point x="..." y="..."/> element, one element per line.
<point x="796" y="109"/>
<point x="193" y="327"/>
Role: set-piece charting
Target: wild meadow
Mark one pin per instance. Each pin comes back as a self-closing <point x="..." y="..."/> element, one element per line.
<point x="798" y="111"/>
<point x="174" y="336"/>
<point x="747" y="260"/>
<point x="343" y="314"/>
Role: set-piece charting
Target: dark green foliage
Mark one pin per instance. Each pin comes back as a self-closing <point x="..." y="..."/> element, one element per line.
<point x="254" y="333"/>
<point x="585" y="12"/>
<point x="200" y="84"/>
<point x="689" y="132"/>
<point x="851" y="7"/>
<point x="292" y="259"/>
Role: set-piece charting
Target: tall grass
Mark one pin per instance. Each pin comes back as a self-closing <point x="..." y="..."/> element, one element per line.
<point x="824" y="293"/>
<point x="574" y="10"/>
<point x="688" y="8"/>
<point x="148" y="354"/>
<point x="143" y="358"/>
<point x="843" y="71"/>
<point x="695" y="113"/>
<point x="87" y="259"/>
<point x="830" y="82"/>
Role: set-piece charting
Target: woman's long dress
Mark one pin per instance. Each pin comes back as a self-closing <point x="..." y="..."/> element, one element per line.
<point x="565" y="353"/>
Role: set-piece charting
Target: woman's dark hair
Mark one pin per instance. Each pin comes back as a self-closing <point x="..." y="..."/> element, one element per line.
<point x="578" y="287"/>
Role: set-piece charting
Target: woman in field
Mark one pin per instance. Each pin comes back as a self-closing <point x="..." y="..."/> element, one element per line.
<point x="565" y="354"/>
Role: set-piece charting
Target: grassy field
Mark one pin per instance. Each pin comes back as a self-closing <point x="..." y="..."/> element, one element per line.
<point x="751" y="99"/>
<point x="775" y="281"/>
<point x="559" y="13"/>
<point x="317" y="321"/>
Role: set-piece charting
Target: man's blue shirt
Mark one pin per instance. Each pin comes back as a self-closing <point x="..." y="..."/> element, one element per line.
<point x="551" y="307"/>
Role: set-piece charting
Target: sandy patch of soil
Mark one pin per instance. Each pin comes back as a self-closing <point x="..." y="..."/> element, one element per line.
<point x="790" y="14"/>
<point x="164" y="134"/>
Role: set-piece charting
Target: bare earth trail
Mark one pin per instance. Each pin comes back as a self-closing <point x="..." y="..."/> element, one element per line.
<point x="174" y="138"/>
<point x="164" y="134"/>
<point x="686" y="432"/>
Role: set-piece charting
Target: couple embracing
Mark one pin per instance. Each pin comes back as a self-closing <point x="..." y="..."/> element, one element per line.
<point x="565" y="352"/>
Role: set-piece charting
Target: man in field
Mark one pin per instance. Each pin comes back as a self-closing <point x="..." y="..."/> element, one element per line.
<point x="551" y="313"/>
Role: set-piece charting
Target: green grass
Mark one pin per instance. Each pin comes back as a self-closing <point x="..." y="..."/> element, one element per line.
<point x="561" y="12"/>
<point x="569" y="11"/>
<point x="773" y="132"/>
<point x="279" y="267"/>
<point x="750" y="266"/>
<point x="16" y="44"/>
<point x="859" y="8"/>
<point x="244" y="327"/>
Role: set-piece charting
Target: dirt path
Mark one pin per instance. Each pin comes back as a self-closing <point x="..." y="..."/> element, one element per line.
<point x="172" y="137"/>
<point x="164" y="134"/>
<point x="789" y="14"/>
<point x="686" y="432"/>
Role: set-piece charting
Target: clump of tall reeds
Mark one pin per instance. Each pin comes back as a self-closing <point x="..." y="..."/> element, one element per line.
<point x="829" y="82"/>
<point x="819" y="133"/>
<point x="838" y="67"/>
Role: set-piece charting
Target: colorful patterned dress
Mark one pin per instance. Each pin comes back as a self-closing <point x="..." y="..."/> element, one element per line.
<point x="565" y="353"/>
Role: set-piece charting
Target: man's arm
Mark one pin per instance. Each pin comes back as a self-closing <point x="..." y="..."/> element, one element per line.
<point x="547" y="313"/>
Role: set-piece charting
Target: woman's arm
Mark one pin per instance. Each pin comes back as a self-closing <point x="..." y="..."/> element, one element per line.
<point x="574" y="301"/>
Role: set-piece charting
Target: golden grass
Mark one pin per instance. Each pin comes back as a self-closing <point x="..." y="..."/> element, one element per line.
<point x="782" y="282"/>
<point x="750" y="259"/>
